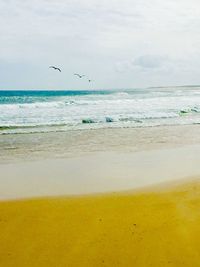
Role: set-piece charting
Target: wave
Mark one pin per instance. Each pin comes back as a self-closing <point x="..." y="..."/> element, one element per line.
<point x="49" y="111"/>
<point x="15" y="127"/>
<point x="90" y="120"/>
<point x="53" y="104"/>
<point x="137" y="118"/>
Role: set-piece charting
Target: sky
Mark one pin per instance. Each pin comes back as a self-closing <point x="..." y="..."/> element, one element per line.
<point x="117" y="44"/>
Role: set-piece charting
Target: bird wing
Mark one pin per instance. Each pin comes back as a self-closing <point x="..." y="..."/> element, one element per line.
<point x="55" y="68"/>
<point x="77" y="75"/>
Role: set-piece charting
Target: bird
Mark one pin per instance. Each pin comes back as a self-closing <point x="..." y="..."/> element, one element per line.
<point x="89" y="81"/>
<point x="80" y="76"/>
<point x="55" y="68"/>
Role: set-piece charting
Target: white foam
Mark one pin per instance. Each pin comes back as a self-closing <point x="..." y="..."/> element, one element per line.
<point x="150" y="106"/>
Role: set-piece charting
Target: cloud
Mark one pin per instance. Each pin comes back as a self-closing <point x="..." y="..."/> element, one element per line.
<point x="149" y="61"/>
<point x="101" y="38"/>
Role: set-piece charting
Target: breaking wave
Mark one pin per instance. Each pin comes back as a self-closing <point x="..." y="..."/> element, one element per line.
<point x="44" y="111"/>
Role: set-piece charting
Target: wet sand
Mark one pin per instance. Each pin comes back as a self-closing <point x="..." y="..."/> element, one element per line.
<point x="37" y="146"/>
<point x="98" y="172"/>
<point x="147" y="228"/>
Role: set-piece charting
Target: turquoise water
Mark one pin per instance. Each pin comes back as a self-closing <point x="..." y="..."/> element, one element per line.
<point x="32" y="96"/>
<point x="44" y="111"/>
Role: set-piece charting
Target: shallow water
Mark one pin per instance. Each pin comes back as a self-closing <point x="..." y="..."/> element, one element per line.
<point x="36" y="146"/>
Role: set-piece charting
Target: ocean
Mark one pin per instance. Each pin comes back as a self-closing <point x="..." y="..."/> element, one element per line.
<point x="28" y="111"/>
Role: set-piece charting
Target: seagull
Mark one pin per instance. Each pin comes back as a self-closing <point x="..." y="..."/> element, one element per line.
<point x="80" y="76"/>
<point x="55" y="68"/>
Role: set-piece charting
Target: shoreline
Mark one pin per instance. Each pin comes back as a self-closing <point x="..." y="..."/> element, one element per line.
<point x="100" y="172"/>
<point x="55" y="145"/>
<point x="110" y="198"/>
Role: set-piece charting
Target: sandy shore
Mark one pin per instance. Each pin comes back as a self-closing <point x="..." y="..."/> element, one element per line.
<point x="152" y="228"/>
<point x="103" y="160"/>
<point x="98" y="172"/>
<point x="38" y="146"/>
<point x="154" y="225"/>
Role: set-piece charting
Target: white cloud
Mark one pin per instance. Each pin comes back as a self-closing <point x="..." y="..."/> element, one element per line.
<point x="149" y="61"/>
<point x="141" y="40"/>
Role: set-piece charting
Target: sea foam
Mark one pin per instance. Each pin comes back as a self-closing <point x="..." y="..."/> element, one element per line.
<point x="35" y="111"/>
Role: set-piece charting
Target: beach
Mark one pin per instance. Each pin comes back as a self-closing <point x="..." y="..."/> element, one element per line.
<point x="128" y="206"/>
<point x="97" y="161"/>
<point x="95" y="195"/>
<point x="148" y="228"/>
<point x="99" y="133"/>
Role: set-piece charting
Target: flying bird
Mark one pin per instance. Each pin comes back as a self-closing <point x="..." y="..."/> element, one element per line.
<point x="55" y="68"/>
<point x="80" y="76"/>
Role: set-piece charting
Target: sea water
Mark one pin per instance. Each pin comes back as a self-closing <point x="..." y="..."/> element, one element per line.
<point x="33" y="111"/>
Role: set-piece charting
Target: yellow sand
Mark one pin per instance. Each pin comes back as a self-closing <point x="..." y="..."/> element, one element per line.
<point x="138" y="229"/>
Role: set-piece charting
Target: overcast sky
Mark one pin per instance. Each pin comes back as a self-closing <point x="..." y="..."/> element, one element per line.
<point x="118" y="44"/>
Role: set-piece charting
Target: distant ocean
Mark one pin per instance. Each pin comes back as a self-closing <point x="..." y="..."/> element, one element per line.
<point x="45" y="111"/>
